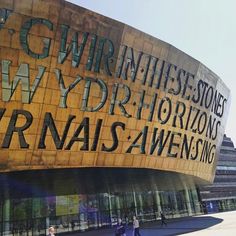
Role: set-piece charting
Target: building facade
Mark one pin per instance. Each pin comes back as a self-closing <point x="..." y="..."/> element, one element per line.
<point x="99" y="120"/>
<point x="221" y="195"/>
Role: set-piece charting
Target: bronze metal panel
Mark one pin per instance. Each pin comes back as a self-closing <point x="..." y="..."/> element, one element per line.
<point x="81" y="90"/>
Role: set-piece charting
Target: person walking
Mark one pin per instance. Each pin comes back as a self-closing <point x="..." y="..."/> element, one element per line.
<point x="163" y="218"/>
<point x="51" y="231"/>
<point x="136" y="226"/>
<point x="72" y="225"/>
<point x="120" y="228"/>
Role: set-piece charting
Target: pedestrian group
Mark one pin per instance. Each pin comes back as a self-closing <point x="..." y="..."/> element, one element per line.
<point x="121" y="228"/>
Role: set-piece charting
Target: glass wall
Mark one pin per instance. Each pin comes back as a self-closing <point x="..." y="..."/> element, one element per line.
<point x="220" y="205"/>
<point x="32" y="216"/>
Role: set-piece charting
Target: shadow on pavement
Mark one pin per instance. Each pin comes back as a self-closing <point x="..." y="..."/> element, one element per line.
<point x="181" y="226"/>
<point x="174" y="227"/>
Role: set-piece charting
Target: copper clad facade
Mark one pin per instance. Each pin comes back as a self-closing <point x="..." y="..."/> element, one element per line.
<point x="81" y="90"/>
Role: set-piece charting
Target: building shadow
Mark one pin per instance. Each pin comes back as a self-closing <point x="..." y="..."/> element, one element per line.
<point x="181" y="226"/>
<point x="174" y="227"/>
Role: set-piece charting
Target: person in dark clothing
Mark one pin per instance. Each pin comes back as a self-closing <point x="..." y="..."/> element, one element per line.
<point x="120" y="228"/>
<point x="163" y="218"/>
<point x="126" y="220"/>
<point x="72" y="225"/>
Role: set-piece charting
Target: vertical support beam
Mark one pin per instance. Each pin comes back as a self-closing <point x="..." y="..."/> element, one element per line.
<point x="6" y="216"/>
<point x="135" y="203"/>
<point x="158" y="203"/>
<point x="110" y="207"/>
<point x="188" y="204"/>
<point x="175" y="206"/>
<point x="118" y="206"/>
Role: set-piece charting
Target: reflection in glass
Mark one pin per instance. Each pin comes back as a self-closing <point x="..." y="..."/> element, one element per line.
<point x="80" y="212"/>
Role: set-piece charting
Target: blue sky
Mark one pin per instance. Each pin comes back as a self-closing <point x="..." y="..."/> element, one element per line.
<point x="204" y="29"/>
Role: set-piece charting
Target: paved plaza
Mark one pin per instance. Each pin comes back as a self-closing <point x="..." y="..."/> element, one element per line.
<point x="211" y="225"/>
